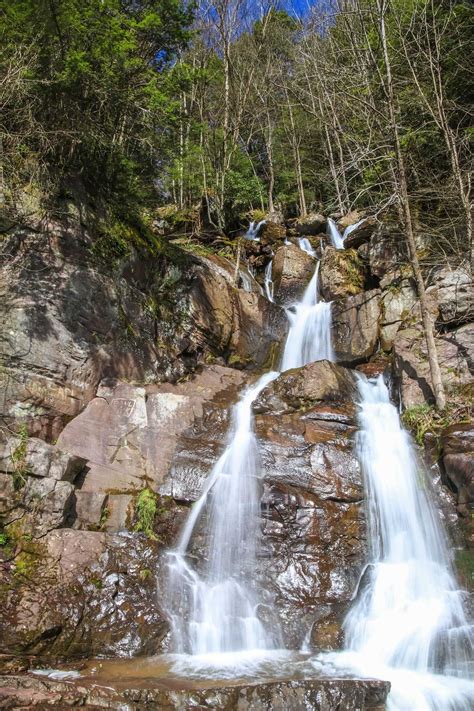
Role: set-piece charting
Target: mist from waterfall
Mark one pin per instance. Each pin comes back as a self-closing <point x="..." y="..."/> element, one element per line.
<point x="408" y="624"/>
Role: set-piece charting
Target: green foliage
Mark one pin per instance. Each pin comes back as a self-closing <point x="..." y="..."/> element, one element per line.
<point x="146" y="509"/>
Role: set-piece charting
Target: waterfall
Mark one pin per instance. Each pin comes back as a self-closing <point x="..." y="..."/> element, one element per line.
<point x="309" y="337"/>
<point x="215" y="610"/>
<point x="213" y="605"/>
<point x="334" y="235"/>
<point x="351" y="228"/>
<point x="408" y="624"/>
<point x="268" y="281"/>
<point x="305" y="245"/>
<point x="253" y="230"/>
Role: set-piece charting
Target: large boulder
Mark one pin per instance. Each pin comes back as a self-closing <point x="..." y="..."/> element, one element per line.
<point x="355" y="326"/>
<point x="455" y="295"/>
<point x="359" y="232"/>
<point x="457" y="443"/>
<point x="82" y="593"/>
<point x="292" y="270"/>
<point x="312" y="224"/>
<point x="400" y="307"/>
<point x="455" y="354"/>
<point x="129" y="434"/>
<point x="387" y="252"/>
<point x="341" y="273"/>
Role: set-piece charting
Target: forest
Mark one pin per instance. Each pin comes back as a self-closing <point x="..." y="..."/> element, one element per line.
<point x="247" y="106"/>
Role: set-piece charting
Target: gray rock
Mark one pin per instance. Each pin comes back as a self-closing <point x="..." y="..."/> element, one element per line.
<point x="312" y="224"/>
<point x="455" y="294"/>
<point x="292" y="270"/>
<point x="356" y="321"/>
<point x="40" y="459"/>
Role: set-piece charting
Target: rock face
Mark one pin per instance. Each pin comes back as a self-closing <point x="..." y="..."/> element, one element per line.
<point x="458" y="461"/>
<point x="80" y="593"/>
<point x="356" y="326"/>
<point x="341" y="273"/>
<point x="399" y="307"/>
<point x="292" y="270"/>
<point x="456" y="355"/>
<point x="128" y="436"/>
<point x="314" y="527"/>
<point x="455" y="295"/>
<point x="297" y="695"/>
<point x="69" y="321"/>
<point x="360" y="234"/>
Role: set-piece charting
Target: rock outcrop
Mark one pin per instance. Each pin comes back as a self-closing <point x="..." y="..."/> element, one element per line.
<point x="356" y="322"/>
<point x="292" y="270"/>
<point x="341" y="273"/>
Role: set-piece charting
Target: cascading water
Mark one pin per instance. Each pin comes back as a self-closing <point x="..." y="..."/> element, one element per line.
<point x="305" y="245"/>
<point x="253" y="230"/>
<point x="408" y="624"/>
<point x="213" y="607"/>
<point x="309" y="337"/>
<point x="214" y="610"/>
<point x="350" y="228"/>
<point x="334" y="235"/>
<point x="268" y="281"/>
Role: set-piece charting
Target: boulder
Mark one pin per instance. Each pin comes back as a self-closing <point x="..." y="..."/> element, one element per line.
<point x="316" y="382"/>
<point x="292" y="270"/>
<point x="136" y="693"/>
<point x="455" y="295"/>
<point x="400" y="307"/>
<point x="356" y="322"/>
<point x="341" y="273"/>
<point x="84" y="593"/>
<point x="129" y="434"/>
<point x="361" y="233"/>
<point x="387" y="251"/>
<point x="456" y="356"/>
<point x="37" y="506"/>
<point x="272" y="232"/>
<point x="38" y="458"/>
<point x="312" y="224"/>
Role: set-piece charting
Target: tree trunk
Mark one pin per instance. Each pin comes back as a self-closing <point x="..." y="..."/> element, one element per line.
<point x="408" y="224"/>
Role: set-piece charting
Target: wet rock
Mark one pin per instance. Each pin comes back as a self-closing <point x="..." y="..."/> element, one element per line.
<point x="84" y="593"/>
<point x="303" y="387"/>
<point x="456" y="357"/>
<point x="341" y="273"/>
<point x="232" y="321"/>
<point x="458" y="460"/>
<point x="38" y="458"/>
<point x="129" y="434"/>
<point x="455" y="295"/>
<point x="312" y="224"/>
<point x="292" y="270"/>
<point x="360" y="234"/>
<point x="356" y="322"/>
<point x="298" y="695"/>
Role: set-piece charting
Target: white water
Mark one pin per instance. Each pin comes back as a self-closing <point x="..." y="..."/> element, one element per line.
<point x="268" y="281"/>
<point x="351" y="228"/>
<point x="305" y="245"/>
<point x="309" y="337"/>
<point x="213" y="605"/>
<point x="408" y="624"/>
<point x="253" y="230"/>
<point x="214" y="610"/>
<point x="334" y="235"/>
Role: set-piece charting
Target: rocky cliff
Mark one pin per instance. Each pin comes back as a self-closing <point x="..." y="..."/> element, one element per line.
<point x="117" y="378"/>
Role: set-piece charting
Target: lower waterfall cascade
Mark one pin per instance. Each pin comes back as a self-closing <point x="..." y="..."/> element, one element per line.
<point x="215" y="610"/>
<point x="407" y="623"/>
